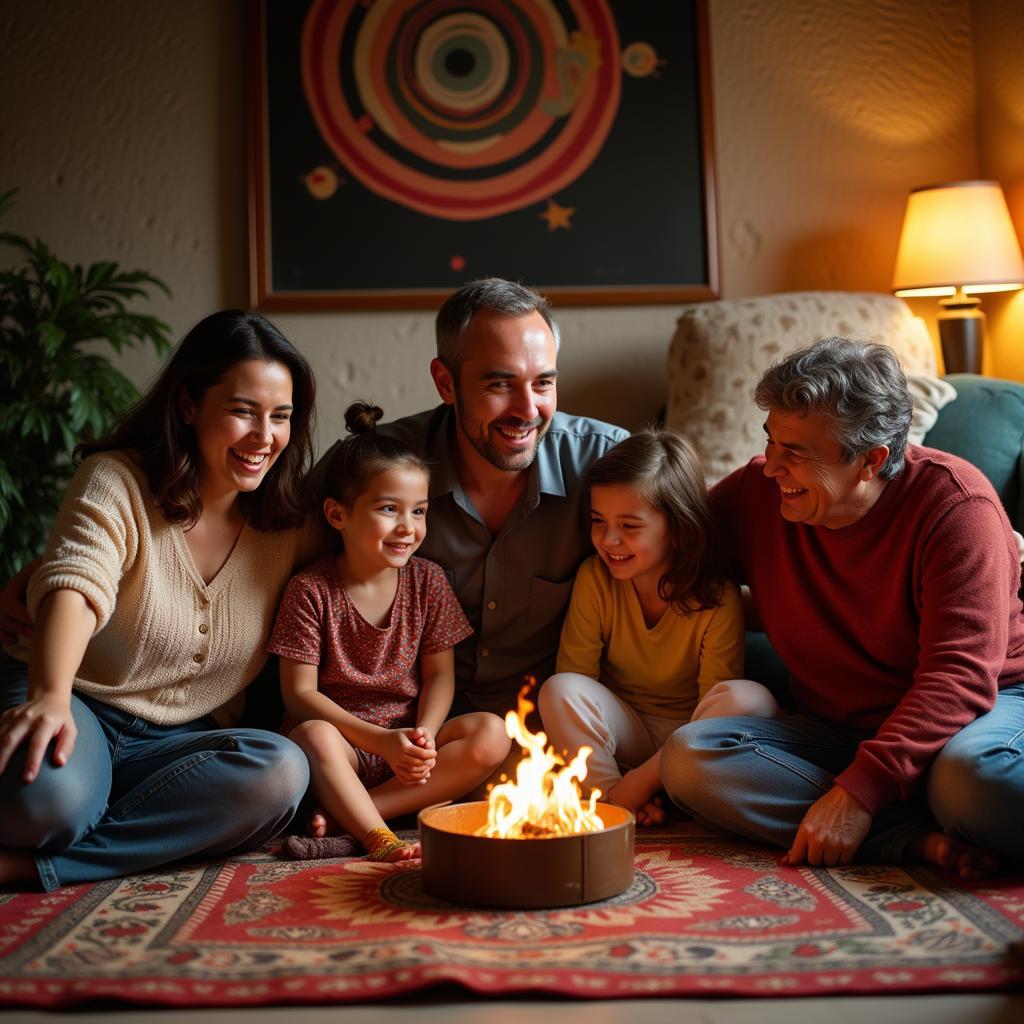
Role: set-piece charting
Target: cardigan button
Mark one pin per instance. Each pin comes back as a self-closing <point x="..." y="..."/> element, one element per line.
<point x="197" y="658"/>
<point x="204" y="628"/>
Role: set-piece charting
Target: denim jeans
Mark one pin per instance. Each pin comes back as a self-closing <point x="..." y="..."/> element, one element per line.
<point x="757" y="777"/>
<point x="976" y="785"/>
<point x="134" y="795"/>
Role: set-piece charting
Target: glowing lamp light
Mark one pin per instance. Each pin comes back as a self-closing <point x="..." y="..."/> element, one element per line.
<point x="958" y="241"/>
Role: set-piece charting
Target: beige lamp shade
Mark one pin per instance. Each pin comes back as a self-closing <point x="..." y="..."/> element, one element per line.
<point x="957" y="236"/>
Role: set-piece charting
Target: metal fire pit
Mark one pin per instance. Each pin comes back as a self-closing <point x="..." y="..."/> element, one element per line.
<point x="562" y="871"/>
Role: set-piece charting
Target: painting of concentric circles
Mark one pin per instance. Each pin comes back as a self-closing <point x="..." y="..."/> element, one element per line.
<point x="462" y="110"/>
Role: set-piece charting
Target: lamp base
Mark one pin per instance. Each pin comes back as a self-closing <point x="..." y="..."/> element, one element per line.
<point x="962" y="334"/>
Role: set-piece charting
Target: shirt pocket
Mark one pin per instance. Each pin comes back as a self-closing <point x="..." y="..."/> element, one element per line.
<point x="544" y="616"/>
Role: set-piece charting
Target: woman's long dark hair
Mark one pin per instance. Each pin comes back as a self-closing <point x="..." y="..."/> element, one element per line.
<point x="155" y="426"/>
<point x="665" y="470"/>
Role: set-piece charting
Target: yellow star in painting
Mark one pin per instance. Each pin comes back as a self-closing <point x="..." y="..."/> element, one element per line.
<point x="557" y="216"/>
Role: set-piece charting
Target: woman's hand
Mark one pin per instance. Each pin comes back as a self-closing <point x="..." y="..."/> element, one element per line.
<point x="66" y="622"/>
<point x="36" y="722"/>
<point x="14" y="618"/>
<point x="411" y="763"/>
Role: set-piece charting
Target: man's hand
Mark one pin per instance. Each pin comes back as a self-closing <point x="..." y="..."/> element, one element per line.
<point x="14" y="618"/>
<point x="831" y="832"/>
<point x="411" y="763"/>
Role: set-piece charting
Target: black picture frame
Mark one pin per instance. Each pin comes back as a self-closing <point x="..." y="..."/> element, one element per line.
<point x="351" y="207"/>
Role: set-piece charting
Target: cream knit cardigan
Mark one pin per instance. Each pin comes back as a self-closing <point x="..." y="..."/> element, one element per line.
<point x="168" y="647"/>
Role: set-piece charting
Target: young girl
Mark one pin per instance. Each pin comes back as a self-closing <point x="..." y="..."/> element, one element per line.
<point x="654" y="635"/>
<point x="367" y="669"/>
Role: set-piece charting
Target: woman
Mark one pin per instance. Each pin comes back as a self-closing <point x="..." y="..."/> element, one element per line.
<point x="153" y="605"/>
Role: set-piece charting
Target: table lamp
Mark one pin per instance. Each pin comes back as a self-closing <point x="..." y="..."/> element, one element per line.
<point x="958" y="240"/>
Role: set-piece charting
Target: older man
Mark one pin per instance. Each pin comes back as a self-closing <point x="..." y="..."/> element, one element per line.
<point x="886" y="576"/>
<point x="508" y="517"/>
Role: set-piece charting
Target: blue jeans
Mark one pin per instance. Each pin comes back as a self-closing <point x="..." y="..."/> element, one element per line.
<point x="134" y="795"/>
<point x="757" y="777"/>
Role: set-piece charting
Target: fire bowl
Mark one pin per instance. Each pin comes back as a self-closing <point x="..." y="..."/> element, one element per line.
<point x="523" y="874"/>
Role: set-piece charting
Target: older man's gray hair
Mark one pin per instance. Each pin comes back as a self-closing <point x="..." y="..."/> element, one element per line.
<point x="858" y="385"/>
<point x="509" y="298"/>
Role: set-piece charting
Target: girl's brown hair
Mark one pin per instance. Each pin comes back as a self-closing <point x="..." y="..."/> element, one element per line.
<point x="156" y="427"/>
<point x="358" y="459"/>
<point x="666" y="472"/>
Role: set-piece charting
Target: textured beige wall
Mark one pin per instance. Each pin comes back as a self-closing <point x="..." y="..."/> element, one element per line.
<point x="124" y="124"/>
<point x="999" y="43"/>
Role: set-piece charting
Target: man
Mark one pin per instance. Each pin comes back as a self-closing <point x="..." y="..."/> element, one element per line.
<point x="508" y="516"/>
<point x="886" y="576"/>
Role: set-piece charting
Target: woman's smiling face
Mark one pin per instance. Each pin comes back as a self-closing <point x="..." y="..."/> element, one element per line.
<point x="242" y="424"/>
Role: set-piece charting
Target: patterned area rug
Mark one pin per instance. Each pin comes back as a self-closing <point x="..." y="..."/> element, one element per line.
<point x="706" y="915"/>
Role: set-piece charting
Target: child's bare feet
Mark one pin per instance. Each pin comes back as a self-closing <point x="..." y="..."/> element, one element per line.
<point x="322" y="825"/>
<point x="652" y="813"/>
<point x="407" y="851"/>
<point x="636" y="793"/>
<point x="382" y="844"/>
<point x="946" y="851"/>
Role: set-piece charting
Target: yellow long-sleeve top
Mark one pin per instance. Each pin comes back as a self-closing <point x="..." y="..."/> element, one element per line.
<point x="662" y="671"/>
<point x="168" y="646"/>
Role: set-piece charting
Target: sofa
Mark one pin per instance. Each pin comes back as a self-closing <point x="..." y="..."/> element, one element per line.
<point x="720" y="349"/>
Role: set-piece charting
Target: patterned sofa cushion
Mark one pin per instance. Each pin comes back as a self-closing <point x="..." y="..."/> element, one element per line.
<point x="720" y="349"/>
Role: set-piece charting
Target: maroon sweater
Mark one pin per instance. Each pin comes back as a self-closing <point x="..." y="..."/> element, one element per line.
<point x="903" y="624"/>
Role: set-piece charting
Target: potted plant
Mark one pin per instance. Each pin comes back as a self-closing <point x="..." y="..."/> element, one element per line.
<point x="56" y="388"/>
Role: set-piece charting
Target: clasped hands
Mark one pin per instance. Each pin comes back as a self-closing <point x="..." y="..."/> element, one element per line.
<point x="411" y="753"/>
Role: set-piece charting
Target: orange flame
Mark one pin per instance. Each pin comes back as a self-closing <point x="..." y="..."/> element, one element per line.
<point x="545" y="798"/>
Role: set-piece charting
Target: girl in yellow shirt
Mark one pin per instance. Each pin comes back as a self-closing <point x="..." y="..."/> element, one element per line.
<point x="654" y="633"/>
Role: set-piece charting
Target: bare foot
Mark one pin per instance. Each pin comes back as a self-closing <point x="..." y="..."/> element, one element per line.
<point x="407" y="851"/>
<point x="322" y="825"/>
<point x="946" y="851"/>
<point x="637" y="795"/>
<point x="651" y="813"/>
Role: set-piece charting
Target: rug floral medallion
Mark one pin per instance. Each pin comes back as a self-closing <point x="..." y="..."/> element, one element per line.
<point x="706" y="914"/>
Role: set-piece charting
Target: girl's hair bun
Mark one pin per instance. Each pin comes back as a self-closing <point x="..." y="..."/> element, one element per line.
<point x="362" y="417"/>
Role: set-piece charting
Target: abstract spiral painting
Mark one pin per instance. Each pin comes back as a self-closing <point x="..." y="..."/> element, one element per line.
<point x="402" y="147"/>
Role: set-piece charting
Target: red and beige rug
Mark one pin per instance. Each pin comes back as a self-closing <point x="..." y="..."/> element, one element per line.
<point x="706" y="915"/>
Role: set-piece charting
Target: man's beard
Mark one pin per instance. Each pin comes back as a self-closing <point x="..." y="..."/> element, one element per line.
<point x="488" y="446"/>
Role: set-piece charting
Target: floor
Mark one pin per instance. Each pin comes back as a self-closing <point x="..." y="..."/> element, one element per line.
<point x="456" y="1009"/>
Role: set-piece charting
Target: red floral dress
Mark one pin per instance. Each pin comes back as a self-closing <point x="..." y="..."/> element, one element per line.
<point x="373" y="672"/>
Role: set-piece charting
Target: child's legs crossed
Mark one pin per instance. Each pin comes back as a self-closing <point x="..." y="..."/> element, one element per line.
<point x="469" y="748"/>
<point x="334" y="777"/>
<point x="737" y="698"/>
<point x="577" y="710"/>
